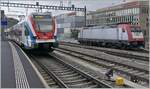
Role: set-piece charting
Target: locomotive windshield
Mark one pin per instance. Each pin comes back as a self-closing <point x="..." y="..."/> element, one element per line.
<point x="43" y="23"/>
<point x="136" y="31"/>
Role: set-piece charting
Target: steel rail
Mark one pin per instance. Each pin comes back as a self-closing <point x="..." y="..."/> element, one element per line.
<point x="50" y="73"/>
<point x="62" y="83"/>
<point x="70" y="52"/>
<point x="100" y="83"/>
<point x="121" y="54"/>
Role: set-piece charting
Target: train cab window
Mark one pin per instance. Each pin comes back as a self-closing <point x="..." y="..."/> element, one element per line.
<point x="43" y="22"/>
<point x="134" y="29"/>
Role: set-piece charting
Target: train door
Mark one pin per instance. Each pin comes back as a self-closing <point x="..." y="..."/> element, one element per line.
<point x="122" y="34"/>
<point x="119" y="34"/>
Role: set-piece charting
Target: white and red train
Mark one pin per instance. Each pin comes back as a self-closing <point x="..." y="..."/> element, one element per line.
<point x="38" y="30"/>
<point x="122" y="36"/>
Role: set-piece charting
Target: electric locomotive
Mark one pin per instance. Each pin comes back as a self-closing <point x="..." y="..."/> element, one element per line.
<point x="120" y="36"/>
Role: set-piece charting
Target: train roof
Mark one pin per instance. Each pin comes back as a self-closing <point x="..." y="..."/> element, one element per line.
<point x="109" y="26"/>
<point x="96" y="27"/>
<point x="41" y="13"/>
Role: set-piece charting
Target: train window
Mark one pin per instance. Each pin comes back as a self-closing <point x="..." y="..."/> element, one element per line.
<point x="26" y="31"/>
<point x="133" y="29"/>
<point x="43" y="23"/>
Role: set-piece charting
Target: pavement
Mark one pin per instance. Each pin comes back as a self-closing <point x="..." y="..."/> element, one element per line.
<point x="17" y="71"/>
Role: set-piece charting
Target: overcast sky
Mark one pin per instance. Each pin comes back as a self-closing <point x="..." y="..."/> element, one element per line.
<point x="90" y="4"/>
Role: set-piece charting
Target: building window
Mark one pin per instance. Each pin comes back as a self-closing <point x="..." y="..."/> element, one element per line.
<point x="137" y="19"/>
<point x="128" y="18"/>
<point x="147" y="25"/>
<point x="147" y="19"/>
<point x="137" y="10"/>
<point x="133" y="10"/>
<point x="147" y="11"/>
<point x="124" y="19"/>
<point x="119" y="19"/>
<point x="115" y="20"/>
<point x="144" y="32"/>
<point x="129" y="11"/>
<point x="144" y="10"/>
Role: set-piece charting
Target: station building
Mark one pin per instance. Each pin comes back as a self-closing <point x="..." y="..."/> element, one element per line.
<point x="135" y="13"/>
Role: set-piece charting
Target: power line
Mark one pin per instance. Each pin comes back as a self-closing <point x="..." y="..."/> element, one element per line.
<point x="6" y="4"/>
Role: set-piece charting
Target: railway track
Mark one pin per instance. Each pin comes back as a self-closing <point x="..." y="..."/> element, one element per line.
<point x="63" y="75"/>
<point x="141" y="75"/>
<point x="121" y="53"/>
<point x="46" y="75"/>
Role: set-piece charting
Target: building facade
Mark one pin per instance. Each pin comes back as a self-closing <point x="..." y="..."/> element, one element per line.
<point x="135" y="13"/>
<point x="68" y="22"/>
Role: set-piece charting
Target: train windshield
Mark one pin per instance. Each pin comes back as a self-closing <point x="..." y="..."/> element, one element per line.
<point x="136" y="31"/>
<point x="43" y="23"/>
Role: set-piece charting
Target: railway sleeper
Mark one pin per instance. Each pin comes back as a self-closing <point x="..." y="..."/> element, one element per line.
<point x="146" y="76"/>
<point x="48" y="78"/>
<point x="73" y="78"/>
<point x="128" y="69"/>
<point x="45" y="75"/>
<point x="66" y="73"/>
<point x="70" y="75"/>
<point x="82" y="85"/>
<point x="133" y="72"/>
<point x="75" y="81"/>
<point x="51" y="83"/>
<point x="54" y="86"/>
<point x="61" y="71"/>
<point x="140" y="73"/>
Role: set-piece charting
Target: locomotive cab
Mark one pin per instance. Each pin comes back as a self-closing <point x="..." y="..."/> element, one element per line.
<point x="137" y="36"/>
<point x="117" y="36"/>
<point x="45" y="31"/>
<point x="134" y="35"/>
<point x="43" y="28"/>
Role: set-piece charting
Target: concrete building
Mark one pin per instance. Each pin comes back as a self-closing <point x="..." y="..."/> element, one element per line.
<point x="135" y="13"/>
<point x="90" y="19"/>
<point x="66" y="23"/>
